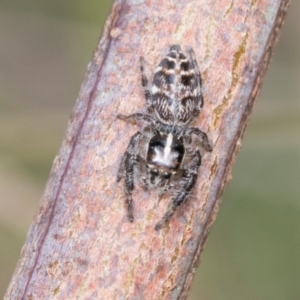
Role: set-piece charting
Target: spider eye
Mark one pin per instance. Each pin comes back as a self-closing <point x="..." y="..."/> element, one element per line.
<point x="154" y="172"/>
<point x="166" y="175"/>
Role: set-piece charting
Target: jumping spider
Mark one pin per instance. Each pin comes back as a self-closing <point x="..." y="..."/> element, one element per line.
<point x="162" y="155"/>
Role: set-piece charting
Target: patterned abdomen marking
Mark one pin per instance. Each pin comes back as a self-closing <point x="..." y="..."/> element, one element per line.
<point x="176" y="88"/>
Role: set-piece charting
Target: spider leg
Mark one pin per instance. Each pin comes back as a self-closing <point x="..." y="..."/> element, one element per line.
<point x="137" y="117"/>
<point x="145" y="85"/>
<point x="202" y="137"/>
<point x="165" y="185"/>
<point x="121" y="171"/>
<point x="190" y="178"/>
<point x="198" y="82"/>
<point x="150" y="122"/>
<point x="127" y="166"/>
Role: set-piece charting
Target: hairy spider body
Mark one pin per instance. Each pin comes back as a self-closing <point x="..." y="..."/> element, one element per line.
<point x="163" y="155"/>
<point x="176" y="90"/>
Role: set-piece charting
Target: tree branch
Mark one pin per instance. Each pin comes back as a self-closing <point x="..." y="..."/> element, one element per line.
<point x="80" y="244"/>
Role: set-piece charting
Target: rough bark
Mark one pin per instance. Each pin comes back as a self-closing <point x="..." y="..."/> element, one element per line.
<point x="80" y="244"/>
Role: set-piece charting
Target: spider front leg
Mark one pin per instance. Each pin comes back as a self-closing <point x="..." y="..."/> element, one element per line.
<point x="202" y="137"/>
<point x="126" y="170"/>
<point x="189" y="179"/>
<point x="145" y="85"/>
<point x="135" y="118"/>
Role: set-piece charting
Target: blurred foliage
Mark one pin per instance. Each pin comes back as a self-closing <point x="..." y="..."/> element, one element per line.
<point x="93" y="11"/>
<point x="252" y="252"/>
<point x="11" y="244"/>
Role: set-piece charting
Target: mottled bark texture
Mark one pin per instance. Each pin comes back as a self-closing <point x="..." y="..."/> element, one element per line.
<point x="80" y="244"/>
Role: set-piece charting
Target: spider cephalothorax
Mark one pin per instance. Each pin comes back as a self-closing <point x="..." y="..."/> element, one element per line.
<point x="163" y="155"/>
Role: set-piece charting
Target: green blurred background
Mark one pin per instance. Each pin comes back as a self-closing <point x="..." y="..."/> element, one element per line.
<point x="254" y="247"/>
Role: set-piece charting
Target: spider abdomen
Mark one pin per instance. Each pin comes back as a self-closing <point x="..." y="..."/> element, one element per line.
<point x="175" y="90"/>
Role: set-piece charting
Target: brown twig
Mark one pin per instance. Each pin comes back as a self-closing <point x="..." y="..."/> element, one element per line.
<point x="80" y="244"/>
